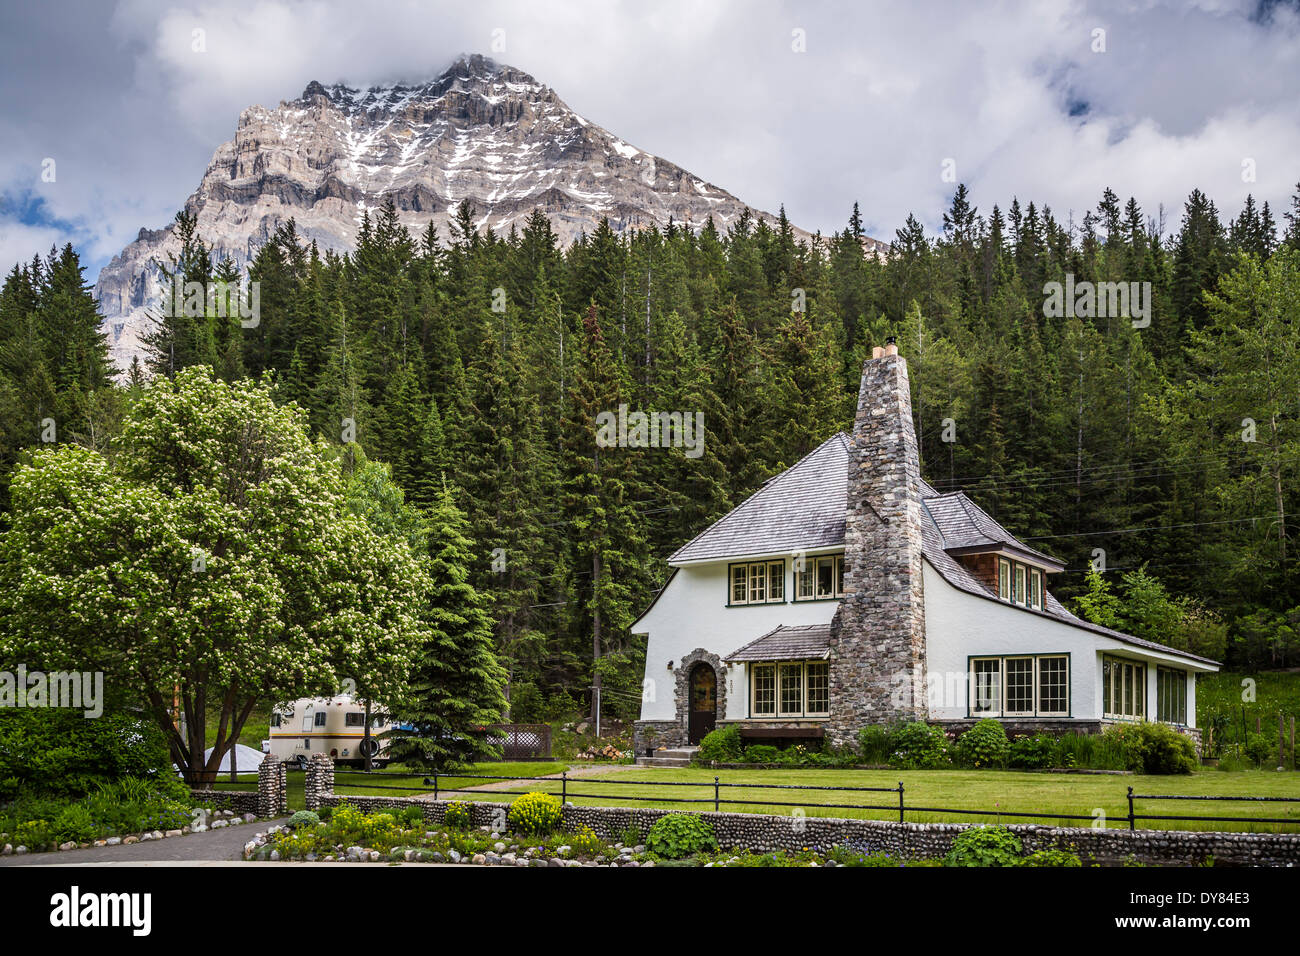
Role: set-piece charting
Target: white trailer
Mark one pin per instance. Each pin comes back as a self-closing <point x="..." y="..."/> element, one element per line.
<point x="327" y="725"/>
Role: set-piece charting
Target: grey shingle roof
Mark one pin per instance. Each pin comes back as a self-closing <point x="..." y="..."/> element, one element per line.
<point x="963" y="524"/>
<point x="802" y="509"/>
<point x="806" y="643"/>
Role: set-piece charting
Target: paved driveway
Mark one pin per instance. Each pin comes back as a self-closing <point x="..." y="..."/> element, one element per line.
<point x="213" y="846"/>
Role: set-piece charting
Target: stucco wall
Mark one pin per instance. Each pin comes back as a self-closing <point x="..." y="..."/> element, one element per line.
<point x="692" y="613"/>
<point x="960" y="625"/>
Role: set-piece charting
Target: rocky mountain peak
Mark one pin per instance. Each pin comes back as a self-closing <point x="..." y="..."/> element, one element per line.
<point x="480" y="132"/>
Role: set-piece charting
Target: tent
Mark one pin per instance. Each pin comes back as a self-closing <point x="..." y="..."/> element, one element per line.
<point x="247" y="759"/>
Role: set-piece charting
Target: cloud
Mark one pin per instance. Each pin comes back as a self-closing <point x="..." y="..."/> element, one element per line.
<point x="133" y="100"/>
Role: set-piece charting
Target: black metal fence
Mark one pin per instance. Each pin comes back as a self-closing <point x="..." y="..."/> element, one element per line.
<point x="436" y="785"/>
<point x="1133" y="816"/>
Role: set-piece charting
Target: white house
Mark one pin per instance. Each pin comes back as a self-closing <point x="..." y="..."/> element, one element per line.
<point x="847" y="591"/>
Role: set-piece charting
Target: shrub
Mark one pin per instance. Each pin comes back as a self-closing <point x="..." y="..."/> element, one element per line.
<point x="1257" y="749"/>
<point x="984" y="745"/>
<point x="75" y="822"/>
<point x="303" y="819"/>
<point x="762" y="753"/>
<point x="722" y="745"/>
<point x="535" y="814"/>
<point x="1056" y="857"/>
<point x="678" y="835"/>
<point x="918" y="746"/>
<point x="984" y="846"/>
<point x="585" y="842"/>
<point x="848" y="855"/>
<point x="458" y="815"/>
<point x="1153" y="748"/>
<point x="412" y="816"/>
<point x="1032" y="753"/>
<point x="34" y="834"/>
<point x="59" y="752"/>
<point x="876" y="743"/>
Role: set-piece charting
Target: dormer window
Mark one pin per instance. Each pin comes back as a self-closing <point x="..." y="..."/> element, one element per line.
<point x="1020" y="584"/>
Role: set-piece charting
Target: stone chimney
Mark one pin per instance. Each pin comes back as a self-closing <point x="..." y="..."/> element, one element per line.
<point x="877" y="671"/>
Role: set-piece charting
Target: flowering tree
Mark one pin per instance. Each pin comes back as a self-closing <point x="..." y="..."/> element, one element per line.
<point x="209" y="558"/>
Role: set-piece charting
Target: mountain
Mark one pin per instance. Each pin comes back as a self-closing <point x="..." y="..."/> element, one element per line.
<point x="481" y="131"/>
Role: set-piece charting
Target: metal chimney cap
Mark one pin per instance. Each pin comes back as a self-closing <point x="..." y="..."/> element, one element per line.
<point x="891" y="339"/>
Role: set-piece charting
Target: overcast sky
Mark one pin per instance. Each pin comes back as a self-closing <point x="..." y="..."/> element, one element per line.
<point x="810" y="105"/>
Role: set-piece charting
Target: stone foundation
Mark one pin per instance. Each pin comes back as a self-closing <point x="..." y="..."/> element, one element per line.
<point x="660" y="733"/>
<point x="1028" y="727"/>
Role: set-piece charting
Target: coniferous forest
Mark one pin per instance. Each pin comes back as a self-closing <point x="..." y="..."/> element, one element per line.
<point x="1159" y="462"/>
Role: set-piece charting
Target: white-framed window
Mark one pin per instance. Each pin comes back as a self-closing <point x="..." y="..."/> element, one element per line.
<point x="790" y="680"/>
<point x="1021" y="685"/>
<point x="803" y="583"/>
<point x="764" y="694"/>
<point x="1171" y="695"/>
<point x="354" y="720"/>
<point x="739" y="584"/>
<point x="986" y="685"/>
<point x="320" y="718"/>
<point x="790" y="689"/>
<point x="1018" y="686"/>
<point x="821" y="580"/>
<point x="759" y="582"/>
<point x="1020" y="584"/>
<point x="1123" y="689"/>
<point x="818" y="674"/>
<point x="776" y="581"/>
<point x="1053" y="686"/>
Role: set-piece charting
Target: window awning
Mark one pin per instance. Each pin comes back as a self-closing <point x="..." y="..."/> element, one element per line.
<point x="810" y="642"/>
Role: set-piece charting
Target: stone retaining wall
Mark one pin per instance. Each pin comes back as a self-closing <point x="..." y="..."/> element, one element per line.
<point x="245" y="801"/>
<point x="765" y="833"/>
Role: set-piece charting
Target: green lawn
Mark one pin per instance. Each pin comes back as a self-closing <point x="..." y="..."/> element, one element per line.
<point x="998" y="792"/>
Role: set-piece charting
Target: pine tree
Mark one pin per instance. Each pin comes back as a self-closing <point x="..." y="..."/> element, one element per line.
<point x="456" y="688"/>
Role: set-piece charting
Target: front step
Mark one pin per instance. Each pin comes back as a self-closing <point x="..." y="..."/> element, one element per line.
<point x="663" y="761"/>
<point x="669" y="757"/>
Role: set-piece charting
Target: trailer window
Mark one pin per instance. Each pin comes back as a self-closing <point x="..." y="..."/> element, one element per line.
<point x="320" y="718"/>
<point x="355" y="720"/>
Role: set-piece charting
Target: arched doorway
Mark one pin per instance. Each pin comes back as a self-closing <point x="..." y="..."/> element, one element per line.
<point x="704" y="702"/>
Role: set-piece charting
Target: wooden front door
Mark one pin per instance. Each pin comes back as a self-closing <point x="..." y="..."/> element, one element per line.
<point x="704" y="702"/>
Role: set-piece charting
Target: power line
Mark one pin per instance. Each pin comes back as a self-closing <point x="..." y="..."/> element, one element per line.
<point x="1171" y="527"/>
